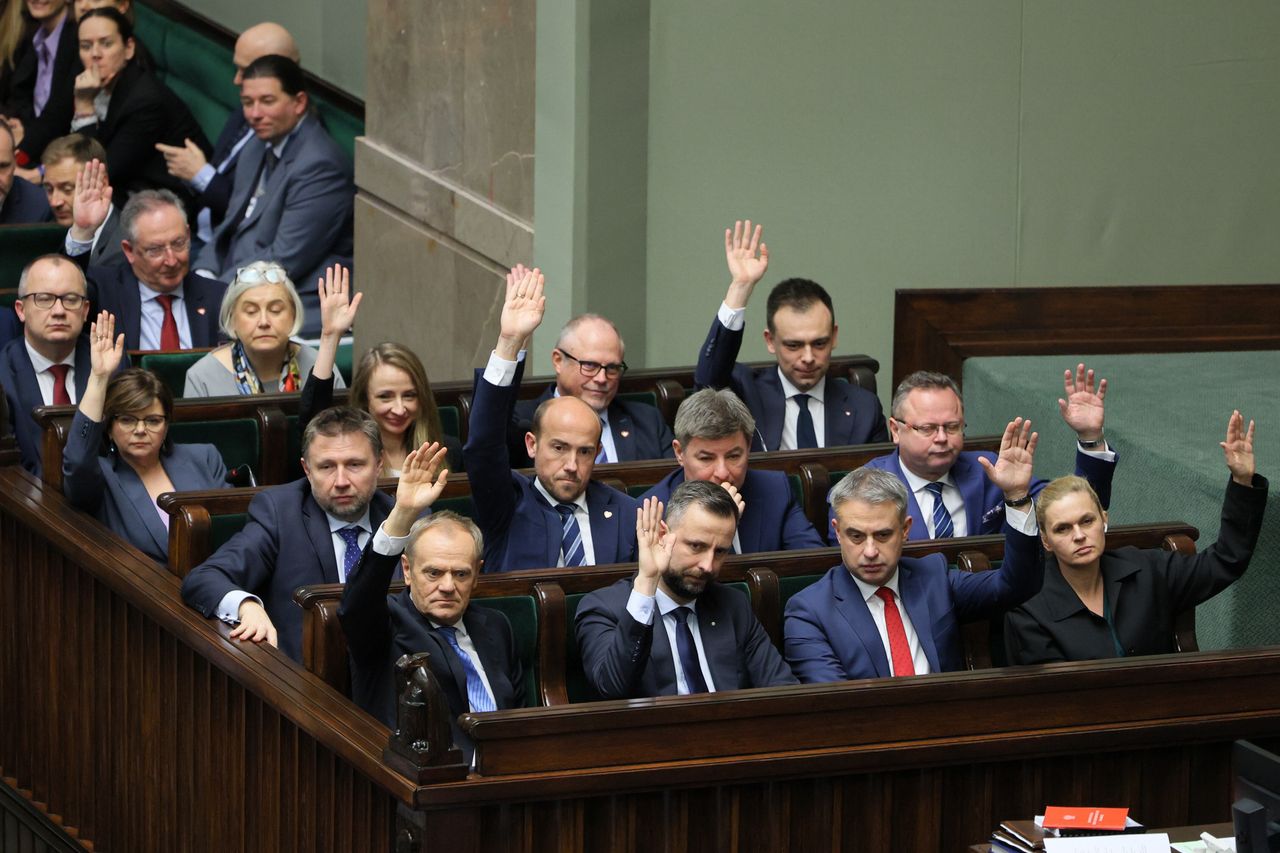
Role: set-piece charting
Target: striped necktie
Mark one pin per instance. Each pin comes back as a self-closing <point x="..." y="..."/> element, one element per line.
<point x="943" y="527"/>
<point x="570" y="537"/>
<point x="477" y="697"/>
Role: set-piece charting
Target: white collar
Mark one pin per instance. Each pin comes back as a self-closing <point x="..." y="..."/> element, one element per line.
<point x="40" y="363"/>
<point x="817" y="392"/>
<point x="869" y="590"/>
<point x="149" y="295"/>
<point x="336" y="524"/>
<point x="580" y="502"/>
<point x="666" y="603"/>
<point x="918" y="484"/>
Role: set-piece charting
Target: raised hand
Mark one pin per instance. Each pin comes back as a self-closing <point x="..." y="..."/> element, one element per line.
<point x="522" y="310"/>
<point x="91" y="203"/>
<point x="1082" y="409"/>
<point x="737" y="497"/>
<point x="748" y="260"/>
<point x="653" y="544"/>
<point x="106" y="349"/>
<point x="184" y="161"/>
<point x="1011" y="471"/>
<point x="87" y="84"/>
<point x="1238" y="449"/>
<point x="337" y="307"/>
<point x="422" y="478"/>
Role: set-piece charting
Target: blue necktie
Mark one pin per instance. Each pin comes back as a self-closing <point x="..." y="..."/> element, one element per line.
<point x="351" y="556"/>
<point x="942" y="524"/>
<point x="806" y="437"/>
<point x="477" y="697"/>
<point x="688" y="652"/>
<point x="603" y="455"/>
<point x="570" y="537"/>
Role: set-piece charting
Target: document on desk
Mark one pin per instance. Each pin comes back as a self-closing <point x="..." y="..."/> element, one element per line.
<point x="1156" y="842"/>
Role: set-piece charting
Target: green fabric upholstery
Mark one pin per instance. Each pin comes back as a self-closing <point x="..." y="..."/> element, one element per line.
<point x="522" y="612"/>
<point x="223" y="527"/>
<point x="788" y="587"/>
<point x="237" y="440"/>
<point x="462" y="506"/>
<point x="797" y="490"/>
<point x="648" y="398"/>
<point x="450" y="420"/>
<point x="21" y="244"/>
<point x="171" y="367"/>
<point x="343" y="362"/>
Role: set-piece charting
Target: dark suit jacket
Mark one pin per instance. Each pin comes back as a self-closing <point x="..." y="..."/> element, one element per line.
<point x="107" y="249"/>
<point x="382" y="627"/>
<point x="18" y="376"/>
<point x="285" y="544"/>
<point x="1146" y="588"/>
<point x="830" y="635"/>
<point x="623" y="659"/>
<point x="55" y="120"/>
<point x="217" y="193"/>
<point x="772" y="521"/>
<point x="109" y="488"/>
<point x="521" y="529"/>
<point x="25" y="204"/>
<point x="983" y="500"/>
<point x="639" y="432"/>
<point x="10" y="327"/>
<point x="852" y="415"/>
<point x="142" y="112"/>
<point x="114" y="288"/>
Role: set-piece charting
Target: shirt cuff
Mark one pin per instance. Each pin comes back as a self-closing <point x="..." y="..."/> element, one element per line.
<point x="73" y="247"/>
<point x="732" y="319"/>
<point x="501" y="372"/>
<point x="77" y="123"/>
<point x="200" y="181"/>
<point x="1105" y="453"/>
<point x="229" y="607"/>
<point x="386" y="545"/>
<point x="1022" y="520"/>
<point x="642" y="607"/>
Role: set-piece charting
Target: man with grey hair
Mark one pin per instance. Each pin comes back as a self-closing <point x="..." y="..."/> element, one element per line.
<point x="713" y="442"/>
<point x="880" y="614"/>
<point x="949" y="496"/>
<point x="710" y="640"/>
<point x="473" y="650"/>
<point x="312" y="530"/>
<point x="158" y="303"/>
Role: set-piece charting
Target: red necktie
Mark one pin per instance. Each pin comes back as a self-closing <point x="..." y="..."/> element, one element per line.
<point x="898" y="647"/>
<point x="59" y="373"/>
<point x="169" y="328"/>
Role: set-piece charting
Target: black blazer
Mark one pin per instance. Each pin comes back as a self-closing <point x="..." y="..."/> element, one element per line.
<point x="114" y="288"/>
<point x="639" y="432"/>
<point x="1147" y="588"/>
<point x="55" y="120"/>
<point x="25" y="204"/>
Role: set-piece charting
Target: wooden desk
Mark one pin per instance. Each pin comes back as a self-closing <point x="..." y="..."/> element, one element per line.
<point x="1175" y="833"/>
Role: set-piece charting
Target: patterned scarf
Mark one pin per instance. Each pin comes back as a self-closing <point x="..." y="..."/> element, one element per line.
<point x="247" y="379"/>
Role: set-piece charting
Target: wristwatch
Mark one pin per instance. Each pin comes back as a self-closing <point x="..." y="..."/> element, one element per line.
<point x="1020" y="502"/>
<point x="1092" y="445"/>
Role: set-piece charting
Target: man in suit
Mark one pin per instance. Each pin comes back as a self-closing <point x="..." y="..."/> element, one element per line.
<point x="472" y="649"/>
<point x="928" y="427"/>
<point x="211" y="178"/>
<point x="75" y="175"/>
<point x="557" y="517"/>
<point x="158" y="303"/>
<point x="309" y="531"/>
<point x="713" y="438"/>
<point x="41" y="103"/>
<point x="710" y="640"/>
<point x="795" y="405"/>
<point x="881" y="614"/>
<point x="293" y="196"/>
<point x="21" y="202"/>
<point x="49" y="364"/>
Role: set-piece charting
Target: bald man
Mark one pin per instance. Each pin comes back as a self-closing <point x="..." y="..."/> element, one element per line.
<point x="557" y="517"/>
<point x="212" y="180"/>
<point x="588" y="360"/>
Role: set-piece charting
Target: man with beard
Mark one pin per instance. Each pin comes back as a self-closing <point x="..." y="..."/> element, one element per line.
<point x="309" y="531"/>
<point x="709" y="639"/>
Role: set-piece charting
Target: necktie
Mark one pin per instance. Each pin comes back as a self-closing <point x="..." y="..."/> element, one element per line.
<point x="942" y="524"/>
<point x="59" y="374"/>
<point x="805" y="435"/>
<point x="350" y="556"/>
<point x="477" y="697"/>
<point x="688" y="652"/>
<point x="603" y="455"/>
<point x="169" y="327"/>
<point x="570" y="537"/>
<point x="898" y="648"/>
<point x="44" y="82"/>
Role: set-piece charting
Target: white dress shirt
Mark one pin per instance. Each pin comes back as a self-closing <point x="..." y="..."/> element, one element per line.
<point x="791" y="417"/>
<point x="642" y="607"/>
<point x="875" y="605"/>
<point x="584" y="523"/>
<point x="45" y="379"/>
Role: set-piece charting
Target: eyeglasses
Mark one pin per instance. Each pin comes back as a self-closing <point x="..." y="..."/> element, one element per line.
<point x="153" y="423"/>
<point x="591" y="368"/>
<point x="253" y="275"/>
<point x="70" y="301"/>
<point x="930" y="430"/>
<point x="155" y="253"/>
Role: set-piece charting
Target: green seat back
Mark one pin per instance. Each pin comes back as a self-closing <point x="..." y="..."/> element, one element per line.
<point x="237" y="440"/>
<point x="342" y="126"/>
<point x="343" y="362"/>
<point x="171" y="367"/>
<point x="450" y="420"/>
<point x="522" y="612"/>
<point x="21" y="244"/>
<point x="648" y="398"/>
<point x="637" y="491"/>
<point x="789" y="586"/>
<point x="223" y="527"/>
<point x="461" y="505"/>
<point x="797" y="490"/>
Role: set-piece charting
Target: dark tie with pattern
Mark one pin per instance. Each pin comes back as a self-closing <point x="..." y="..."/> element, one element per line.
<point x="571" y="546"/>
<point x="477" y="697"/>
<point x="943" y="527"/>
<point x="688" y="651"/>
<point x="806" y="437"/>
<point x="351" y="556"/>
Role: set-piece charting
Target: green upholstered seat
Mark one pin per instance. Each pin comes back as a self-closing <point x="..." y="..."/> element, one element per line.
<point x="343" y="362"/>
<point x="646" y="397"/>
<point x="238" y="440"/>
<point x="461" y="505"/>
<point x="789" y="586"/>
<point x="21" y="244"/>
<point x="171" y="367"/>
<point x="522" y="612"/>
<point x="450" y="420"/>
<point x="223" y="527"/>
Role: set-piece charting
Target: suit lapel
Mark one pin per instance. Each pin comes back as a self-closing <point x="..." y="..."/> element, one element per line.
<point x="82" y="367"/>
<point x="140" y="503"/>
<point x="451" y="660"/>
<point x="193" y="296"/>
<point x="316" y="524"/>
<point x="853" y="608"/>
<point x="718" y="641"/>
<point x="605" y="519"/>
<point x="838" y="413"/>
<point x="749" y="530"/>
<point x="774" y="409"/>
<point x="916" y="602"/>
<point x="919" y="530"/>
<point x="624" y="433"/>
<point x="970" y="482"/>
<point x="250" y="161"/>
<point x="492" y="656"/>
<point x="130" y="302"/>
<point x="662" y="659"/>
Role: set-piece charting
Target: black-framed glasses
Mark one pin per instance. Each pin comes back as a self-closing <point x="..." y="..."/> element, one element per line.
<point x="591" y="368"/>
<point x="930" y="430"/>
<point x="70" y="301"/>
<point x="152" y="423"/>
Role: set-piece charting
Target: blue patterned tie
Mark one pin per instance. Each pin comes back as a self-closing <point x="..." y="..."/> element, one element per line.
<point x="942" y="524"/>
<point x="603" y="456"/>
<point x="570" y="537"/>
<point x="477" y="697"/>
<point x="351" y="556"/>
<point x="688" y="652"/>
<point x="806" y="437"/>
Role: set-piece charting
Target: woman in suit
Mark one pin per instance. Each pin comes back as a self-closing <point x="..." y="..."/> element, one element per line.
<point x="1102" y="604"/>
<point x="126" y="107"/>
<point x="133" y="409"/>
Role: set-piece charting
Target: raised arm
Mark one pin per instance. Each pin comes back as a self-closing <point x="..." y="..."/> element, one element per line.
<point x="748" y="259"/>
<point x="337" y="313"/>
<point x="522" y="311"/>
<point x="91" y="203"/>
<point x="82" y="478"/>
<point x="1082" y="407"/>
<point x="106" y="349"/>
<point x="1011" y="472"/>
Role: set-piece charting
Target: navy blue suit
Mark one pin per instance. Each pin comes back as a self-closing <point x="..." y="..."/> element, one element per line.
<point x="983" y="500"/>
<point x="109" y="488"/>
<point x="521" y="529"/>
<point x="623" y="659"/>
<point x="639" y="432"/>
<point x="10" y="326"/>
<point x="380" y="627"/>
<point x="114" y="288"/>
<point x="24" y="204"/>
<point x="18" y="376"/>
<point x="285" y="544"/>
<point x="773" y="521"/>
<point x="852" y="415"/>
<point x="829" y="634"/>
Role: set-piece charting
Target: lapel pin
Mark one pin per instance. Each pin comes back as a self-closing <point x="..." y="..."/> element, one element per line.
<point x="848" y="413"/>
<point x="200" y="311"/>
<point x="608" y="513"/>
<point x="713" y="623"/>
<point x="625" y="433"/>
